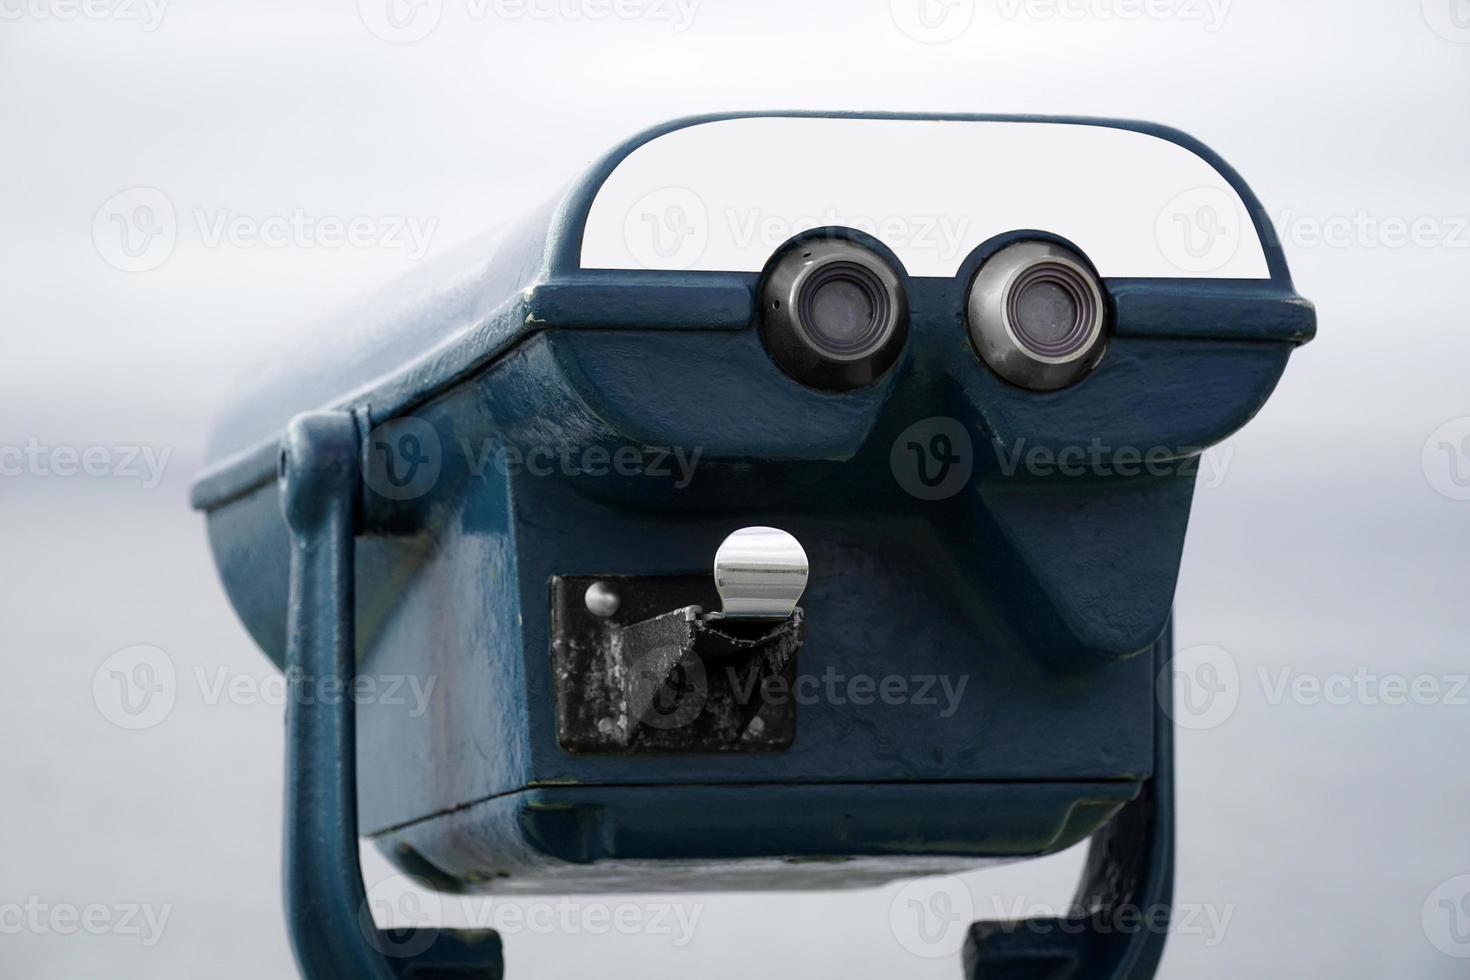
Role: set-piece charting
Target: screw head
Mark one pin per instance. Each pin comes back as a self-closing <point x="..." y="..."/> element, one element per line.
<point x="601" y="600"/>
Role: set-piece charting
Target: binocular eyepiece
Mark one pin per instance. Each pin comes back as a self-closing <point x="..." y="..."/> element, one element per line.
<point x="1037" y="315"/>
<point x="835" y="314"/>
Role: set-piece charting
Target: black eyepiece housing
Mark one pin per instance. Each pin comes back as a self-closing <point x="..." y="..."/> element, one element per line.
<point x="835" y="314"/>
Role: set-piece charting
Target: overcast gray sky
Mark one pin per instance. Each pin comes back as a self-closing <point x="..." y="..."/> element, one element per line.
<point x="1335" y="543"/>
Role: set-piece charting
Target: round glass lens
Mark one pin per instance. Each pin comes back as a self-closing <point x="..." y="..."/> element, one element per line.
<point x="1046" y="313"/>
<point x="842" y="314"/>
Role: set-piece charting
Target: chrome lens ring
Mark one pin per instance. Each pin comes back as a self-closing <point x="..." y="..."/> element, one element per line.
<point x="842" y="310"/>
<point x="1037" y="315"/>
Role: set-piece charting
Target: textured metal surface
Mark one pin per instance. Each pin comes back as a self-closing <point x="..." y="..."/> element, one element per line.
<point x="1027" y="586"/>
<point x="753" y="836"/>
<point x="454" y="598"/>
<point x="650" y="680"/>
<point x="1119" y="920"/>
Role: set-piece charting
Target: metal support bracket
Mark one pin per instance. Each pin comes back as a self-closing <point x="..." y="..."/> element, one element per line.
<point x="1119" y="918"/>
<point x="327" y="914"/>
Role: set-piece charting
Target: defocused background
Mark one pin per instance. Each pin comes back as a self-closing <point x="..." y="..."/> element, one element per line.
<point x="1324" y="833"/>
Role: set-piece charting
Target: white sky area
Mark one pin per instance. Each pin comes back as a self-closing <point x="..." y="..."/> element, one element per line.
<point x="1325" y="548"/>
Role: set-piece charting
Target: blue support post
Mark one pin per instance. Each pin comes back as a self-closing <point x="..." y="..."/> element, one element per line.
<point x="330" y="924"/>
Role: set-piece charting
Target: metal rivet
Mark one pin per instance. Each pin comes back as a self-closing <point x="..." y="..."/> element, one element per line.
<point x="601" y="600"/>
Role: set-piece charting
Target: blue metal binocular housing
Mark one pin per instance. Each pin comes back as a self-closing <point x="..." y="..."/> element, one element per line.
<point x="967" y="368"/>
